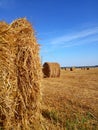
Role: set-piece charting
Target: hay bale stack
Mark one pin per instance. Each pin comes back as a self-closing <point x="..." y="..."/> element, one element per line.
<point x="20" y="76"/>
<point x="67" y="69"/>
<point x="51" y="69"/>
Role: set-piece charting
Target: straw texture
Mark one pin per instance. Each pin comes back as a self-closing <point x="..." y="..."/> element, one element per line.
<point x="20" y="76"/>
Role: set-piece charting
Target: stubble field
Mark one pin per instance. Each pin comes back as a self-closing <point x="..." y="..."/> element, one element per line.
<point x="71" y="101"/>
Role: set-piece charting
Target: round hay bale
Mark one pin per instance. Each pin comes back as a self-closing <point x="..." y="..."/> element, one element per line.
<point x="67" y="69"/>
<point x="83" y="68"/>
<point x="72" y="68"/>
<point x="20" y="76"/>
<point x="87" y="68"/>
<point x="51" y="69"/>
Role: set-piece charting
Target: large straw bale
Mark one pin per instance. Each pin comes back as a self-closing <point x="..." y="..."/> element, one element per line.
<point x="51" y="69"/>
<point x="8" y="79"/>
<point x="20" y="76"/>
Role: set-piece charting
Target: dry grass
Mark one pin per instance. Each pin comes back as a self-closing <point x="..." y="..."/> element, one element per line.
<point x="71" y="101"/>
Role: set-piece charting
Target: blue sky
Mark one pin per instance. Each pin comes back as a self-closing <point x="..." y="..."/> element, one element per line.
<point x="67" y="30"/>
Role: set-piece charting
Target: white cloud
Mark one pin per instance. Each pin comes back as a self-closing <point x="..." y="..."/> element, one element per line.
<point x="86" y="36"/>
<point x="75" y="36"/>
<point x="81" y="42"/>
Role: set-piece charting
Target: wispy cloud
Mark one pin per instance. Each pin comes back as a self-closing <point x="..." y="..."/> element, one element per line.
<point x="81" y="42"/>
<point x="86" y="36"/>
<point x="75" y="36"/>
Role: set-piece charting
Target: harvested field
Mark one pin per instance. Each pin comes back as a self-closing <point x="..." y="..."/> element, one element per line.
<point x="71" y="101"/>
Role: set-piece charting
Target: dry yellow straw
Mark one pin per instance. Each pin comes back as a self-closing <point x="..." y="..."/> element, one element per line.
<point x="20" y="76"/>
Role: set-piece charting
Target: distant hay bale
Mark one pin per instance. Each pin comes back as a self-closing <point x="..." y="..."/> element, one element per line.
<point x="82" y="68"/>
<point x="20" y="76"/>
<point x="72" y="68"/>
<point x="85" y="68"/>
<point x="51" y="69"/>
<point x="67" y="69"/>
